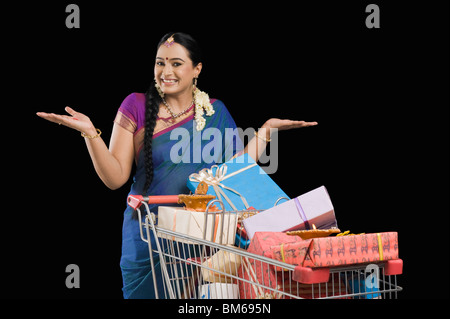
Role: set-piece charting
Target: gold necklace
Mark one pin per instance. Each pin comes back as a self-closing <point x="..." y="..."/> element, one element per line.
<point x="174" y="116"/>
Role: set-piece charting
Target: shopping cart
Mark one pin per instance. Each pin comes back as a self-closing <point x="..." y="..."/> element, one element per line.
<point x="205" y="268"/>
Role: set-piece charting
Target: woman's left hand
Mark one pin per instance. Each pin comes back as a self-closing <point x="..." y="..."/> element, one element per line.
<point x="282" y="125"/>
<point x="257" y="145"/>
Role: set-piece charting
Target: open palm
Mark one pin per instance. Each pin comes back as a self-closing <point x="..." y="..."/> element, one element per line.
<point x="282" y="125"/>
<point x="77" y="121"/>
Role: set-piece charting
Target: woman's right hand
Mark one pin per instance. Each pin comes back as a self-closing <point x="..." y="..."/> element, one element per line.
<point x="77" y="121"/>
<point x="114" y="164"/>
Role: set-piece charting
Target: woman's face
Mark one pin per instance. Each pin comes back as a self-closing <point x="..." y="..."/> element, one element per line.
<point x="174" y="70"/>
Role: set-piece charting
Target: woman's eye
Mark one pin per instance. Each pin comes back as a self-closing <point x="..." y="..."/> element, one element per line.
<point x="176" y="64"/>
<point x="159" y="63"/>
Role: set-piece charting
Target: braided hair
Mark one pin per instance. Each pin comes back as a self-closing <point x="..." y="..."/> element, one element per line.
<point x="153" y="100"/>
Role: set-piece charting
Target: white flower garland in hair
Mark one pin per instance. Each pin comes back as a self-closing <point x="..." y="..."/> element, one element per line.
<point x="202" y="102"/>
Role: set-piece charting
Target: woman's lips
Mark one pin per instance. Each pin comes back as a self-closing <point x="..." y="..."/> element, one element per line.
<point x="168" y="81"/>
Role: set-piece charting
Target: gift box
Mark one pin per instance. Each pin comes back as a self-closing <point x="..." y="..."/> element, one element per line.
<point x="221" y="264"/>
<point x="219" y="291"/>
<point x="261" y="281"/>
<point x="358" y="285"/>
<point x="192" y="223"/>
<point x="239" y="183"/>
<point x="272" y="244"/>
<point x="326" y="251"/>
<point x="280" y="282"/>
<point x="314" y="207"/>
<point x="242" y="240"/>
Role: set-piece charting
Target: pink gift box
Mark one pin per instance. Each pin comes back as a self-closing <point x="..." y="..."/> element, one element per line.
<point x="314" y="207"/>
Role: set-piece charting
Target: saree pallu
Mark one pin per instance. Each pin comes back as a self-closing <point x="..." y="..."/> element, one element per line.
<point x="178" y="151"/>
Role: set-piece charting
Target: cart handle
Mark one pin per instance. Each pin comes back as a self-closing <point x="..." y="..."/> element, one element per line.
<point x="135" y="201"/>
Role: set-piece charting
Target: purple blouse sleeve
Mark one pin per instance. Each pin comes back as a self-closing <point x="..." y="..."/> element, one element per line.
<point x="131" y="113"/>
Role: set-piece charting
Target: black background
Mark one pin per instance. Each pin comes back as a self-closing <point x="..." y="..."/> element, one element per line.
<point x="380" y="97"/>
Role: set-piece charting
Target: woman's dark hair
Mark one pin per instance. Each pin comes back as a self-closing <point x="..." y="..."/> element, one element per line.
<point x="152" y="101"/>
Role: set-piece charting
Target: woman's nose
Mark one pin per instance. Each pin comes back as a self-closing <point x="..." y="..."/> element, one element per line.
<point x="167" y="70"/>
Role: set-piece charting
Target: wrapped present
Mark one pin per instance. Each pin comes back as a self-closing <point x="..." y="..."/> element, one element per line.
<point x="261" y="281"/>
<point x="193" y="223"/>
<point x="239" y="183"/>
<point x="314" y="207"/>
<point x="355" y="249"/>
<point x="242" y="240"/>
<point x="279" y="246"/>
<point x="221" y="264"/>
<point x="219" y="291"/>
<point x="358" y="285"/>
<point x="326" y="251"/>
<point x="280" y="283"/>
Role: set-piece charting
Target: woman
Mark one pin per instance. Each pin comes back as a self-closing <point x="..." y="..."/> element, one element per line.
<point x="141" y="133"/>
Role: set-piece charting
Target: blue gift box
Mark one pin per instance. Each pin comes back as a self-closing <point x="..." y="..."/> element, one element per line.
<point x="239" y="183"/>
<point x="358" y="285"/>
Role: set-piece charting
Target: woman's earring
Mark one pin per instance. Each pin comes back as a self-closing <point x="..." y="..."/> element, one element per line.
<point x="195" y="83"/>
<point x="160" y="92"/>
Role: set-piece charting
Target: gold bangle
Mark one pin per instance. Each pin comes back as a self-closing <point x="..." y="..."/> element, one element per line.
<point x="262" y="138"/>
<point x="92" y="136"/>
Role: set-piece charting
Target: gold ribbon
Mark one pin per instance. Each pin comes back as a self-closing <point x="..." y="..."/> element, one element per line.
<point x="380" y="246"/>
<point x="282" y="255"/>
<point x="208" y="176"/>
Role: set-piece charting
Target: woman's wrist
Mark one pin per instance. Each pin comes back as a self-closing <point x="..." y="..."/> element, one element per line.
<point x="91" y="131"/>
<point x="263" y="134"/>
<point x="265" y="131"/>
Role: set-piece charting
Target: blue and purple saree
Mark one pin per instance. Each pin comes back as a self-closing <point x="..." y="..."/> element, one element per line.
<point x="178" y="151"/>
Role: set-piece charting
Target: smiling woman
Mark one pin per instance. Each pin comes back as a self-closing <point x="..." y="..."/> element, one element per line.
<point x="142" y="134"/>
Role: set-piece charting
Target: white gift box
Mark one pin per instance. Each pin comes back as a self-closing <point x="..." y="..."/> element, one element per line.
<point x="222" y="263"/>
<point x="314" y="207"/>
<point x="219" y="291"/>
<point x="192" y="223"/>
